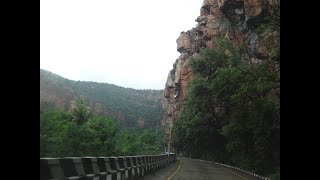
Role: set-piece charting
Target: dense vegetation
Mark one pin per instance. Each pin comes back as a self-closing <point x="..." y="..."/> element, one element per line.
<point x="232" y="114"/>
<point x="125" y="104"/>
<point x="80" y="132"/>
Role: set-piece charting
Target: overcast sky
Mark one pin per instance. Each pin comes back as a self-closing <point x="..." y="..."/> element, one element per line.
<point x="130" y="43"/>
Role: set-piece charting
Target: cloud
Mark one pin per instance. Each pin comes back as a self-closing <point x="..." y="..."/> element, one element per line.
<point x="127" y="43"/>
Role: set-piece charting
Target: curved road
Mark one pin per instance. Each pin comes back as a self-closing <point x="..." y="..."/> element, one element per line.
<point x="195" y="169"/>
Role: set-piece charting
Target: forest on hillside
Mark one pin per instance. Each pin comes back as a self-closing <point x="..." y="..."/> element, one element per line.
<point x="232" y="114"/>
<point x="81" y="132"/>
<point x="127" y="105"/>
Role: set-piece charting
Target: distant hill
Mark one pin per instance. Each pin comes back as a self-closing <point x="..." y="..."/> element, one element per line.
<point x="129" y="106"/>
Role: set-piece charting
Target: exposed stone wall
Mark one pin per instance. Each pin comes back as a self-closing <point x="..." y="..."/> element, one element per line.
<point x="234" y="19"/>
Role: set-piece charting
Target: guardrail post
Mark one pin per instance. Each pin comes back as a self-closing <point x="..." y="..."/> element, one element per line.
<point x="115" y="166"/>
<point x="76" y="165"/>
<point x="143" y="166"/>
<point x="54" y="168"/>
<point x="123" y="165"/>
<point x="104" y="166"/>
<point x="135" y="169"/>
<point x="44" y="170"/>
<point x="91" y="167"/>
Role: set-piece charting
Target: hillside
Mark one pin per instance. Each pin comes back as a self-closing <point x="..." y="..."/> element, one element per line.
<point x="223" y="92"/>
<point x="130" y="106"/>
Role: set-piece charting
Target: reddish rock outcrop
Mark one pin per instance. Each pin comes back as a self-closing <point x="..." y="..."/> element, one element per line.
<point x="234" y="19"/>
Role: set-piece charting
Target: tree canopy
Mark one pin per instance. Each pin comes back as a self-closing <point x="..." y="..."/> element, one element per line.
<point x="232" y="113"/>
<point x="81" y="132"/>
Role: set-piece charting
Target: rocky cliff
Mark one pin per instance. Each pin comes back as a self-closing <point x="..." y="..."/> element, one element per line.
<point x="237" y="20"/>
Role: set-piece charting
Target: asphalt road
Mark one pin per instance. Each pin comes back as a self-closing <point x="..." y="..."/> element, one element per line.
<point x="195" y="169"/>
<point x="164" y="173"/>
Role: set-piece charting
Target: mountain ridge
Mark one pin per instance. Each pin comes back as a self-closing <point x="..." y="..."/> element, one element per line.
<point x="131" y="107"/>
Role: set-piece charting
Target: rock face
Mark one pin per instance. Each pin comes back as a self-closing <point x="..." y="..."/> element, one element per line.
<point x="233" y="19"/>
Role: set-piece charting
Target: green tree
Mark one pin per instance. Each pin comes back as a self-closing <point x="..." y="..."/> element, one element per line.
<point x="232" y="111"/>
<point x="81" y="113"/>
<point x="63" y="134"/>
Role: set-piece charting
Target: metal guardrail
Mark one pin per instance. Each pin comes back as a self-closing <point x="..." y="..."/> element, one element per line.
<point x="102" y="168"/>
